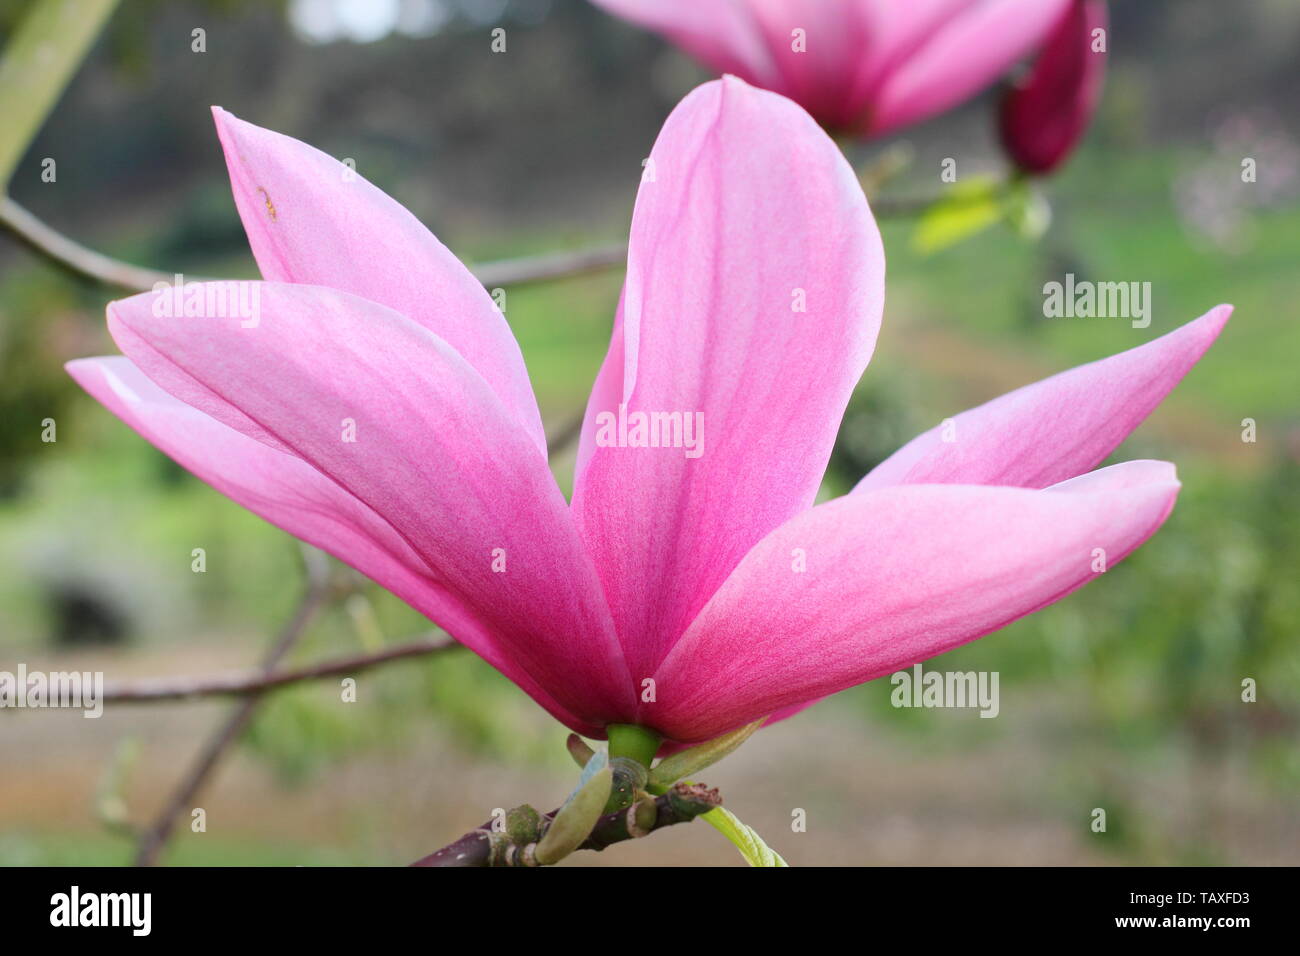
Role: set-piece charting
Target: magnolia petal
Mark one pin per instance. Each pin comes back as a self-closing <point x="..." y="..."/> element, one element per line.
<point x="818" y="51"/>
<point x="313" y="220"/>
<point x="752" y="214"/>
<point x="969" y="50"/>
<point x="721" y="34"/>
<point x="868" y="66"/>
<point x="295" y="497"/>
<point x="394" y="415"/>
<point x="892" y="578"/>
<point x="1054" y="429"/>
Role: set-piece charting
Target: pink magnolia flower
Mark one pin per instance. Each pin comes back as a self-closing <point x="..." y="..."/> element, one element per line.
<point x="1044" y="115"/>
<point x="689" y="595"/>
<point x="867" y="67"/>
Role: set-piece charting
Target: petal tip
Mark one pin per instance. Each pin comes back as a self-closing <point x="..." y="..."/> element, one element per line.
<point x="1219" y="315"/>
<point x="1151" y="472"/>
<point x="114" y="313"/>
<point x="1205" y="330"/>
<point x="223" y="120"/>
<point x="1170" y="476"/>
<point x="129" y="315"/>
<point x="231" y="131"/>
<point x="80" y="368"/>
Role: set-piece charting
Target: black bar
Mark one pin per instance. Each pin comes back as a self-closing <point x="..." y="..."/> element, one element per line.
<point x="302" y="906"/>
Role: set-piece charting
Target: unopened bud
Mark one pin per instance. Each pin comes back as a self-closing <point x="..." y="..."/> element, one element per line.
<point x="575" y="820"/>
<point x="579" y="750"/>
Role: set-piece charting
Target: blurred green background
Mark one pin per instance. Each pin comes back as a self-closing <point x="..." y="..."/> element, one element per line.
<point x="1126" y="696"/>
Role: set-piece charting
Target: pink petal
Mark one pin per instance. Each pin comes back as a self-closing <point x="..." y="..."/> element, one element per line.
<point x="870" y="66"/>
<point x="1044" y="116"/>
<point x="435" y="454"/>
<point x="721" y="33"/>
<point x="750" y="203"/>
<point x="893" y="577"/>
<point x="958" y="58"/>
<point x="606" y="392"/>
<point x="819" y="51"/>
<point x="313" y="220"/>
<point x="295" y="497"/>
<point x="1057" y="428"/>
<point x="897" y="31"/>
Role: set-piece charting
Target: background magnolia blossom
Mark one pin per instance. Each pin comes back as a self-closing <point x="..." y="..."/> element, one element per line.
<point x="872" y="67"/>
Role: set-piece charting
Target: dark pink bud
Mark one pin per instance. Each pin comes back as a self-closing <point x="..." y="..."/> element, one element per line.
<point x="1044" y="115"/>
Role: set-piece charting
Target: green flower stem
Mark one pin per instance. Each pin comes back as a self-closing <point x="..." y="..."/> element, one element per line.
<point x="637" y="743"/>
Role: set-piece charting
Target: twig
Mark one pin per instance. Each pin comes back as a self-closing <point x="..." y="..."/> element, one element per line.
<point x="551" y="265"/>
<point x="904" y="207"/>
<point x="488" y="847"/>
<point x="85" y="262"/>
<point x="154" y="838"/>
<point x="72" y="256"/>
<point x="44" y="239"/>
<point x="258" y="682"/>
<point x="883" y="167"/>
<point x="565" y="434"/>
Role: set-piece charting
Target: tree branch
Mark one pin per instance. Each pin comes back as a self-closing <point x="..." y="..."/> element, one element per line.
<point x="902" y="207"/>
<point x="551" y="265"/>
<point x="562" y="437"/>
<point x="75" y="258"/>
<point x="81" y="261"/>
<point x="154" y="838"/>
<point x="258" y="682"/>
<point x="485" y="846"/>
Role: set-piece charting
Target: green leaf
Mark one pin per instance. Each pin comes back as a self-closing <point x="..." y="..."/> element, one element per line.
<point x="688" y="762"/>
<point x="749" y="843"/>
<point x="38" y="62"/>
<point x="969" y="207"/>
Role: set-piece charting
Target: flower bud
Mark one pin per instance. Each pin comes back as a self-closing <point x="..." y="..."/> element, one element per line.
<point x="1045" y="114"/>
<point x="575" y="819"/>
<point x="579" y="750"/>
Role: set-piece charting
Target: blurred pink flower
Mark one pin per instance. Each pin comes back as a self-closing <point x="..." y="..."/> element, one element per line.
<point x="715" y="576"/>
<point x="1046" y="113"/>
<point x="867" y="67"/>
